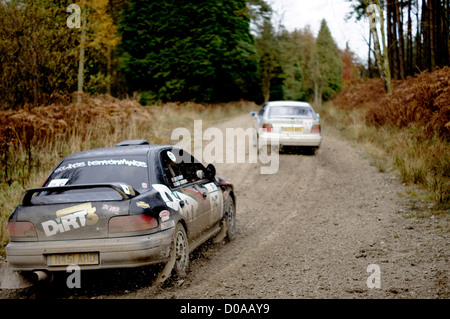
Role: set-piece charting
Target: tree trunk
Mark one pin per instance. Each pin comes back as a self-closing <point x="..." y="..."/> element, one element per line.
<point x="317" y="93"/>
<point x="426" y="44"/>
<point x="401" y="43"/>
<point x="409" y="47"/>
<point x="432" y="31"/>
<point x="419" y="40"/>
<point x="35" y="71"/>
<point x="369" y="61"/>
<point x="108" y="69"/>
<point x="381" y="57"/>
<point x="390" y="36"/>
<point x="82" y="47"/>
<point x="109" y="56"/>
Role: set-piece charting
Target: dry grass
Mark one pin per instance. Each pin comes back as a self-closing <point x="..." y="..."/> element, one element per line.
<point x="407" y="132"/>
<point x="33" y="142"/>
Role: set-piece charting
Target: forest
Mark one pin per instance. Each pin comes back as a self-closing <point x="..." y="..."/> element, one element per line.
<point x="202" y="51"/>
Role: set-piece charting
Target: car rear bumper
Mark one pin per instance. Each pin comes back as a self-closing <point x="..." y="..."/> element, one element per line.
<point x="124" y="252"/>
<point x="313" y="140"/>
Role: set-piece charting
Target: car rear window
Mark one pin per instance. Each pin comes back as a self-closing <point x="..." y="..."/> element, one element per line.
<point x="128" y="170"/>
<point x="291" y="111"/>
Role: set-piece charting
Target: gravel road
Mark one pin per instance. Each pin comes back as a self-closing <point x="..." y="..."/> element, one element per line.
<point x="309" y="231"/>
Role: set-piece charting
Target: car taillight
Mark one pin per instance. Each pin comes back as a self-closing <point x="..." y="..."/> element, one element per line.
<point x="126" y="224"/>
<point x="267" y="127"/>
<point x="315" y="129"/>
<point x="23" y="230"/>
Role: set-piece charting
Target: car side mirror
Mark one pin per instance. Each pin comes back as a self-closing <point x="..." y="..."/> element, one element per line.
<point x="318" y="115"/>
<point x="253" y="114"/>
<point x="210" y="172"/>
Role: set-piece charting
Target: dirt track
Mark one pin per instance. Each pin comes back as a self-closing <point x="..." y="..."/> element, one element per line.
<point x="309" y="231"/>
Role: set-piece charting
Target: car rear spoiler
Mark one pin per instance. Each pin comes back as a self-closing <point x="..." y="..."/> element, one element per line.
<point x="126" y="191"/>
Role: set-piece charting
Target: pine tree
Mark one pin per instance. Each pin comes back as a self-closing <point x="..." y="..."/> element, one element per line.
<point x="179" y="50"/>
<point x="326" y="67"/>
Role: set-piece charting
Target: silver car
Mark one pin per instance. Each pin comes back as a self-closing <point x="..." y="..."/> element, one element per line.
<point x="287" y="123"/>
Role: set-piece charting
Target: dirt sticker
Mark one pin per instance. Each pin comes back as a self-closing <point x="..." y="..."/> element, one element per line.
<point x="70" y="218"/>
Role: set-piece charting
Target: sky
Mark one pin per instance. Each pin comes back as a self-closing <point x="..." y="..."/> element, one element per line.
<point x="296" y="14"/>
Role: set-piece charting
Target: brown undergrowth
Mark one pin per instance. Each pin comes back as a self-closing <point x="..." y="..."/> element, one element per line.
<point x="408" y="129"/>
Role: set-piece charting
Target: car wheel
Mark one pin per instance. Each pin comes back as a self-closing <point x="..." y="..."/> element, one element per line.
<point x="181" y="250"/>
<point x="177" y="265"/>
<point x="230" y="219"/>
<point x="228" y="229"/>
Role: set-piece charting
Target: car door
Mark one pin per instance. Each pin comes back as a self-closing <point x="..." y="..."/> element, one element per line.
<point x="212" y="195"/>
<point x="192" y="196"/>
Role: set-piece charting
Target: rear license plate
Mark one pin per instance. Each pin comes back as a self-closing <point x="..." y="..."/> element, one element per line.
<point x="293" y="129"/>
<point x="69" y="259"/>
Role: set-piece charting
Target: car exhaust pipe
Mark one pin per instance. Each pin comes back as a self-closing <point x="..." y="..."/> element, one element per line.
<point x="40" y="275"/>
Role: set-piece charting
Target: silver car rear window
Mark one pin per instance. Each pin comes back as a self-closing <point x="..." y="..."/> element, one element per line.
<point x="291" y="111"/>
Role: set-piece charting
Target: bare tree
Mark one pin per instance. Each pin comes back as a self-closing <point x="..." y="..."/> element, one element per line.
<point x="82" y="48"/>
<point x="376" y="20"/>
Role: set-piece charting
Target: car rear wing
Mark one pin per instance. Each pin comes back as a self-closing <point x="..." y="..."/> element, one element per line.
<point x="126" y="191"/>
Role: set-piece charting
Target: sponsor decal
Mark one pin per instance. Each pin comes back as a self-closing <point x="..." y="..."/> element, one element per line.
<point x="211" y="187"/>
<point x="58" y="182"/>
<point x="178" y="180"/>
<point x="117" y="162"/>
<point x="167" y="196"/>
<point x="70" y="218"/>
<point x="142" y="204"/>
<point x="126" y="189"/>
<point x="110" y="208"/>
<point x="164" y="215"/>
<point x="124" y="162"/>
<point x="70" y="166"/>
<point x="171" y="156"/>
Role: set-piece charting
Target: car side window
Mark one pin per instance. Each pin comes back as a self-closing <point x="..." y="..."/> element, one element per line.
<point x="180" y="167"/>
<point x="172" y="169"/>
<point x="190" y="170"/>
<point x="190" y="166"/>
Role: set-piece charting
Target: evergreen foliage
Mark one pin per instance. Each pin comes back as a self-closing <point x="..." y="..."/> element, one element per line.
<point x="179" y="50"/>
<point x="197" y="50"/>
<point x="326" y="66"/>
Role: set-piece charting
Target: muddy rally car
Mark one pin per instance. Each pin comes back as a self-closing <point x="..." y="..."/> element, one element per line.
<point x="131" y="205"/>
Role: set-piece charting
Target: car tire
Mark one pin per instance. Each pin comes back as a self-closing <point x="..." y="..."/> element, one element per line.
<point x="230" y="219"/>
<point x="228" y="223"/>
<point x="178" y="262"/>
<point x="181" y="250"/>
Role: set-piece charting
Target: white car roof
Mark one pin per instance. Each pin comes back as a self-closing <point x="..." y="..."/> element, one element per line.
<point x="287" y="103"/>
